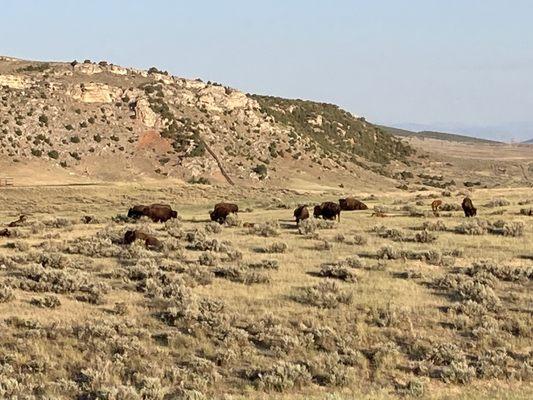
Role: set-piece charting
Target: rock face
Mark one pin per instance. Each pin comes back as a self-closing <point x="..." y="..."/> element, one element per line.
<point x="94" y="93"/>
<point x="145" y="114"/>
<point x="88" y="68"/>
<point x="15" y="81"/>
<point x="219" y="99"/>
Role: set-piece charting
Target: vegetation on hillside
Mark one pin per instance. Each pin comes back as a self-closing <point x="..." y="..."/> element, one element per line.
<point x="335" y="130"/>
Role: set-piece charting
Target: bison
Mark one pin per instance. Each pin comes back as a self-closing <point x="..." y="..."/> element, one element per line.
<point x="156" y="212"/>
<point x="19" y="222"/>
<point x="435" y="205"/>
<point x="5" y="233"/>
<point x="149" y="241"/>
<point x="468" y="207"/>
<point x="328" y="210"/>
<point x="351" y="204"/>
<point x="301" y="213"/>
<point x="222" y="210"/>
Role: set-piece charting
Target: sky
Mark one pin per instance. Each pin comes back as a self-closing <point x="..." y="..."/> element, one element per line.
<point x="461" y="65"/>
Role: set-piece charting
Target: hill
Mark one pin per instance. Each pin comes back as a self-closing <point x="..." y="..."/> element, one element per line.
<point x="452" y="137"/>
<point x="530" y="141"/>
<point x="106" y="122"/>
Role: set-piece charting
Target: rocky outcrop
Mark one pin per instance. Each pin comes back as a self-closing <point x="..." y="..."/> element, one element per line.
<point x="219" y="99"/>
<point x="94" y="93"/>
<point x="15" y="81"/>
<point x="88" y="68"/>
<point x="145" y="114"/>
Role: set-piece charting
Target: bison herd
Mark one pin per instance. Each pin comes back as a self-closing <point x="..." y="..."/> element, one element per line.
<point x="163" y="212"/>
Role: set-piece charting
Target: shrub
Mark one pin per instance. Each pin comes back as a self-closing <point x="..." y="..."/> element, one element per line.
<point x="232" y="220"/>
<point x="6" y="293"/>
<point x="53" y="154"/>
<point x="458" y="372"/>
<point x="241" y="275"/>
<point x="199" y="181"/>
<point x="283" y="376"/>
<point x="498" y="202"/>
<point x="337" y="272"/>
<point x="389" y="253"/>
<point x="472" y="227"/>
<point x="266" y="229"/>
<point x="261" y="170"/>
<point x="310" y="225"/>
<point x="46" y="302"/>
<point x="277" y="247"/>
<point x="514" y="229"/>
<point x="326" y="294"/>
<point x="425" y="237"/>
<point x="213" y="227"/>
<point x="360" y="240"/>
<point x="389" y="233"/>
<point x="436" y="226"/>
<point x="207" y="258"/>
<point x="264" y="264"/>
<point x="354" y="262"/>
<point x="526" y="211"/>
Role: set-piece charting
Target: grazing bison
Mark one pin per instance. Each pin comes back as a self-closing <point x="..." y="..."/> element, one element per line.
<point x="156" y="212"/>
<point x="301" y="213"/>
<point x="351" y="204"/>
<point x="22" y="219"/>
<point x="328" y="210"/>
<point x="5" y="233"/>
<point x="468" y="207"/>
<point x="435" y="205"/>
<point x="222" y="210"/>
<point x="149" y="241"/>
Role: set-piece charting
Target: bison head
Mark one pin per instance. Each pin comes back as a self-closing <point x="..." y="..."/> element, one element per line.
<point x="317" y="211"/>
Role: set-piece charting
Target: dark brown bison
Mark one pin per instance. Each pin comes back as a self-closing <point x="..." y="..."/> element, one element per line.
<point x="22" y="219"/>
<point x="468" y="207"/>
<point x="328" y="210"/>
<point x="149" y="241"/>
<point x="222" y="210"/>
<point x="351" y="204"/>
<point x="301" y="213"/>
<point x="156" y="212"/>
<point x="5" y="233"/>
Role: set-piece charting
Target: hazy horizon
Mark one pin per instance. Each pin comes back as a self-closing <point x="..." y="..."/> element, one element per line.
<point x="462" y="67"/>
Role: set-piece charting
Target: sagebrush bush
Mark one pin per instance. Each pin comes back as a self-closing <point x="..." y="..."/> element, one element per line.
<point x="473" y="227"/>
<point x="425" y="237"/>
<point x="213" y="227"/>
<point x="337" y="272"/>
<point x="326" y="294"/>
<point x="389" y="253"/>
<point x="283" y="376"/>
<point x="265" y="229"/>
<point x="275" y="248"/>
<point x="46" y="302"/>
<point x="437" y="226"/>
<point x="240" y="275"/>
<point x="6" y="293"/>
<point x="310" y="225"/>
<point x="207" y="258"/>
<point x="360" y="240"/>
<point x="498" y="202"/>
<point x="232" y="220"/>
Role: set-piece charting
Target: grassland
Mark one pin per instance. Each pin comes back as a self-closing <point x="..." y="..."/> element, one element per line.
<point x="377" y="308"/>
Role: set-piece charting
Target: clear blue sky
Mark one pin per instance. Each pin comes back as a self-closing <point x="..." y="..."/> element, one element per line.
<point x="462" y="64"/>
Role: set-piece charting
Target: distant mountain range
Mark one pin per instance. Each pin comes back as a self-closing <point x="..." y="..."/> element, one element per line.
<point x="436" y="135"/>
<point x="530" y="141"/>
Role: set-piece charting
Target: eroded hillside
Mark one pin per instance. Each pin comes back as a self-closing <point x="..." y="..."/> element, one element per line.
<point x="113" y="123"/>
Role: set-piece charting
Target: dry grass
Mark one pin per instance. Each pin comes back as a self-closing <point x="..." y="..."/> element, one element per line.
<point x="411" y="308"/>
